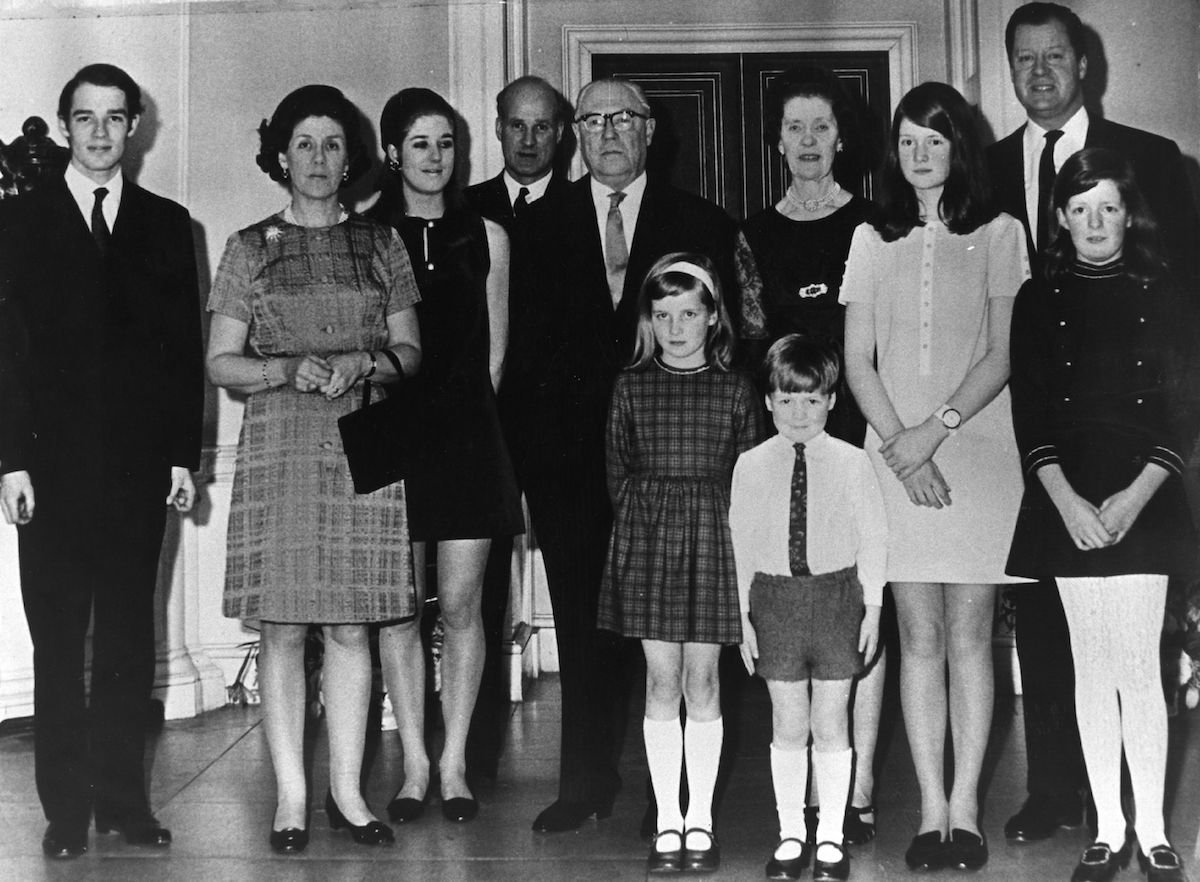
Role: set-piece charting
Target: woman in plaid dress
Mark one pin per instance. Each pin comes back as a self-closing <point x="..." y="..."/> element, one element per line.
<point x="678" y="422"/>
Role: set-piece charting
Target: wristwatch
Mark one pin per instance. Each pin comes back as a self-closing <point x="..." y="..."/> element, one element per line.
<point x="950" y="417"/>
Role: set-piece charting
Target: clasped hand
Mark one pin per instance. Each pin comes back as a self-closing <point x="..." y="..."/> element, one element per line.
<point x="1092" y="527"/>
<point x="909" y="454"/>
<point x="332" y="375"/>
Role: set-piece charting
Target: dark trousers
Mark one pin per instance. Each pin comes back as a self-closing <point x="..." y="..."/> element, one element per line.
<point x="70" y="572"/>
<point x="1043" y="640"/>
<point x="572" y="520"/>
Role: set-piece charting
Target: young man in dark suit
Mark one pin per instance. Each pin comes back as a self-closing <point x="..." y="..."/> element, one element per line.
<point x="1048" y="62"/>
<point x="102" y="400"/>
<point x="591" y="249"/>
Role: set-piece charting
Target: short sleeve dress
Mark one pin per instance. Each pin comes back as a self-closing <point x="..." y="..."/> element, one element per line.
<point x="930" y="291"/>
<point x="673" y="439"/>
<point x="301" y="545"/>
<point x="462" y="485"/>
<point x="790" y="275"/>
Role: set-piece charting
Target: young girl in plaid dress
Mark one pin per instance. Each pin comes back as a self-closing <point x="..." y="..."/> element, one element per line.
<point x="678" y="422"/>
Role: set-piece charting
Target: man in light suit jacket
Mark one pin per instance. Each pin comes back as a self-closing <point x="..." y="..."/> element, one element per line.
<point x="101" y="392"/>
<point x="530" y="119"/>
<point x="1048" y="61"/>
<point x="578" y="335"/>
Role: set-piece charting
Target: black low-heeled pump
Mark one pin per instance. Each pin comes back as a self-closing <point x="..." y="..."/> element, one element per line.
<point x="371" y="833"/>
<point x="290" y="840"/>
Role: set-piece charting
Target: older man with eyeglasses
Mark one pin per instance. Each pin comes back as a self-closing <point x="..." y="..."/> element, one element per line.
<point x="591" y="249"/>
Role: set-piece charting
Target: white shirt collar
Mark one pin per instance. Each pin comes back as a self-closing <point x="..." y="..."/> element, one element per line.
<point x="83" y="191"/>
<point x="1074" y="135"/>
<point x="812" y="445"/>
<point x="536" y="190"/>
<point x="631" y="205"/>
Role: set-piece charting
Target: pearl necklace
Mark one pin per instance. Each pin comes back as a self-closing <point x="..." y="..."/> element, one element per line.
<point x="811" y="205"/>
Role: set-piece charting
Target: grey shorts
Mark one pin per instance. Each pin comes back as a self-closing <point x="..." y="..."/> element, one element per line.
<point x="807" y="626"/>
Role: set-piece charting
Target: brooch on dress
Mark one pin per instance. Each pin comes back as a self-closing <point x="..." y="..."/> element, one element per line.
<point x="273" y="233"/>
<point x="814" y="290"/>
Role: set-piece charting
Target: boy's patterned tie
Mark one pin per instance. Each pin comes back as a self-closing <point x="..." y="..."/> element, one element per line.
<point x="797" y="523"/>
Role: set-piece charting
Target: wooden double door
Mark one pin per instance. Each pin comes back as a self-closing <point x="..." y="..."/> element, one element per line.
<point x="709" y="117"/>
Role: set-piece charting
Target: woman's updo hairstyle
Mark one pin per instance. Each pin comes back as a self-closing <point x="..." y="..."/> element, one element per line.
<point x="275" y="134"/>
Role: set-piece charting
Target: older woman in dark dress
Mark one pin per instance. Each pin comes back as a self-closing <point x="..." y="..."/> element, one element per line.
<point x="790" y="259"/>
<point x="1104" y="423"/>
<point x="462" y="491"/>
<point x="306" y="304"/>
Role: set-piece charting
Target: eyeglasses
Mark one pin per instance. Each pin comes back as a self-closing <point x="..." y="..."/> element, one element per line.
<point x="622" y="120"/>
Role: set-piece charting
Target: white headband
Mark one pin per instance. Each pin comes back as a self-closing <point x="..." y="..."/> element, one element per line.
<point x="696" y="272"/>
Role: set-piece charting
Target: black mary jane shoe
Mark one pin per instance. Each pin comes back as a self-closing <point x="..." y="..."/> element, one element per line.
<point x="1162" y="865"/>
<point x="701" y="860"/>
<point x="371" y="833"/>
<point x="460" y="809"/>
<point x="1099" y="863"/>
<point x="406" y="809"/>
<point x="792" y="868"/>
<point x="856" y="829"/>
<point x="966" y="850"/>
<point x="831" y="871"/>
<point x="926" y="852"/>
<point x="289" y="840"/>
<point x="665" y="861"/>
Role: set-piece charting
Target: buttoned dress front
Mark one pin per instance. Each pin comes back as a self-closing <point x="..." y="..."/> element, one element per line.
<point x="1100" y="388"/>
<point x="301" y="545"/>
<point x="930" y="292"/>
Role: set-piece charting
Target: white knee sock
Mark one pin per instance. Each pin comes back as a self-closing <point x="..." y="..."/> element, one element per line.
<point x="789" y="775"/>
<point x="664" y="756"/>
<point x="833" y="770"/>
<point x="702" y="749"/>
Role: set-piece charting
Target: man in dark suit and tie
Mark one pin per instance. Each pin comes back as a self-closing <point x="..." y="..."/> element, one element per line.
<point x="530" y="119"/>
<point x="591" y="249"/>
<point x="101" y="392"/>
<point x="1046" y="52"/>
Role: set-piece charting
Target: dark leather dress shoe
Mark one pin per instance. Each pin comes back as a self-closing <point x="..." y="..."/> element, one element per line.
<point x="563" y="815"/>
<point x="966" y="850"/>
<point x="1099" y="863"/>
<point x="64" y="841"/>
<point x="289" y="840"/>
<point x="1041" y="816"/>
<point x="370" y="833"/>
<point x="926" y="852"/>
<point x="792" y="868"/>
<point x="137" y="830"/>
<point x="665" y="861"/>
<point x="831" y="871"/>
<point x="857" y="830"/>
<point x="460" y="809"/>
<point x="1162" y="865"/>
<point x="701" y="860"/>
<point x="405" y="809"/>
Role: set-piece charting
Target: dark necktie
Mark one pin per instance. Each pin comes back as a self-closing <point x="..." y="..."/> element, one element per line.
<point x="616" y="252"/>
<point x="1045" y="188"/>
<point x="521" y="205"/>
<point x="99" y="225"/>
<point x="798" y="521"/>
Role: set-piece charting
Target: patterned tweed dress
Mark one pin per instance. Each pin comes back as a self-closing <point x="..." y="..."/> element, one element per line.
<point x="673" y="438"/>
<point x="301" y="546"/>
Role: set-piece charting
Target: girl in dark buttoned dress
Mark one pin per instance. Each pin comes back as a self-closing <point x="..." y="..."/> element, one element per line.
<point x="1100" y="411"/>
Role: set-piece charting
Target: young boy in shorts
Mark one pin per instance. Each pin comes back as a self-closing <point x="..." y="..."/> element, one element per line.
<point x="809" y="539"/>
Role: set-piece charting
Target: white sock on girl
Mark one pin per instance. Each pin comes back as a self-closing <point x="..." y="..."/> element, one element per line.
<point x="702" y="748"/>
<point x="664" y="756"/>
<point x="833" y="770"/>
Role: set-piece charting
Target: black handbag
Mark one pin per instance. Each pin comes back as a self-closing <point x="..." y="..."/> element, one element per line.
<point x="378" y="437"/>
